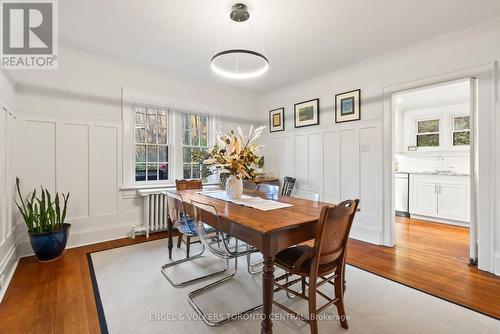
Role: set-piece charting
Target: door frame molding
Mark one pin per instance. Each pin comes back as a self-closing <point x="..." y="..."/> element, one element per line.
<point x="485" y="156"/>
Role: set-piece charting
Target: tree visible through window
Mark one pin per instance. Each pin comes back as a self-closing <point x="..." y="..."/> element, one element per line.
<point x="195" y="139"/>
<point x="461" y="131"/>
<point x="151" y="144"/>
<point x="428" y="133"/>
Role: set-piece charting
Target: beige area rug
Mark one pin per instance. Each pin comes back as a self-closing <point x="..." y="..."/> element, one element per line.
<point x="133" y="296"/>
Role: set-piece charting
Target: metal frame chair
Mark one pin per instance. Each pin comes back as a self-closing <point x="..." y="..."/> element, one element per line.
<point x="186" y="226"/>
<point x="270" y="190"/>
<point x="203" y="213"/>
<point x="305" y="194"/>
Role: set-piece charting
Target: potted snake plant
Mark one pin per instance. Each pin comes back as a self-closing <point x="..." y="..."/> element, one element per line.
<point x="44" y="218"/>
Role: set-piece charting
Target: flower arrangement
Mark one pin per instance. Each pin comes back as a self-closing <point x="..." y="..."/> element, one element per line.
<point x="235" y="153"/>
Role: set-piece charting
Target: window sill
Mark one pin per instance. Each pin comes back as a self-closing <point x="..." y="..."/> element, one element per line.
<point x="129" y="192"/>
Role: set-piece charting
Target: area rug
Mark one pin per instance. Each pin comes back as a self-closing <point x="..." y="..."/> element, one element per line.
<point x="133" y="296"/>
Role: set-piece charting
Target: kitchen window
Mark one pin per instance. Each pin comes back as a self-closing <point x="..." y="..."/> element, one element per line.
<point x="195" y="131"/>
<point x="151" y="144"/>
<point x="461" y="131"/>
<point x="427" y="133"/>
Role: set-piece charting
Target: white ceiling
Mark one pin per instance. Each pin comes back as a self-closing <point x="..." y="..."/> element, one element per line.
<point x="301" y="38"/>
<point x="457" y="92"/>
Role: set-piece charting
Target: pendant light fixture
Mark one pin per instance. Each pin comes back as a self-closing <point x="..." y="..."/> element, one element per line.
<point x="239" y="63"/>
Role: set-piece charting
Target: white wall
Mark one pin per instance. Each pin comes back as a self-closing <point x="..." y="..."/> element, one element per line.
<point x="70" y="135"/>
<point x="460" y="50"/>
<point x="8" y="254"/>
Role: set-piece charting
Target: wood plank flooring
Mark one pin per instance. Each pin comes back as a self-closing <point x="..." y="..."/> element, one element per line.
<point x="57" y="297"/>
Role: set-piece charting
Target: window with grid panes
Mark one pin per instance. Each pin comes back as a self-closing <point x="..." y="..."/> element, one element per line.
<point x="195" y="139"/>
<point x="428" y="133"/>
<point x="461" y="130"/>
<point x="151" y="144"/>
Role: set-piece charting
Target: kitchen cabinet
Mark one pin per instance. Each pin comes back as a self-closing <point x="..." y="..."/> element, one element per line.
<point x="443" y="197"/>
<point x="401" y="193"/>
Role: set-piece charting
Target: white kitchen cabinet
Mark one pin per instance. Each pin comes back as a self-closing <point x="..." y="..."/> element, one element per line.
<point x="443" y="197"/>
<point x="401" y="192"/>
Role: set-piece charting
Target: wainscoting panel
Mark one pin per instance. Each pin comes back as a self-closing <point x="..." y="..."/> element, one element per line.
<point x="315" y="162"/>
<point x="331" y="163"/>
<point x="288" y="161"/>
<point x="105" y="183"/>
<point x="338" y="161"/>
<point x="301" y="161"/>
<point x="82" y="158"/>
<point x="37" y="154"/>
<point x="73" y="167"/>
<point x="349" y="163"/>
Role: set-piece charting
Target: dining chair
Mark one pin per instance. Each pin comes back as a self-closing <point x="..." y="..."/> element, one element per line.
<point x="222" y="248"/>
<point x="270" y="190"/>
<point x="305" y="194"/>
<point x="187" y="185"/>
<point x="288" y="183"/>
<point x="316" y="260"/>
<point x="186" y="226"/>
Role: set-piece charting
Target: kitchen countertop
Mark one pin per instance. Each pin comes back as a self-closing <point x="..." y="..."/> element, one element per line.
<point x="433" y="173"/>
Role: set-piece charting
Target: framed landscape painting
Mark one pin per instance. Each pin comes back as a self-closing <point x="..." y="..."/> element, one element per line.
<point x="348" y="106"/>
<point x="306" y="113"/>
<point x="277" y="120"/>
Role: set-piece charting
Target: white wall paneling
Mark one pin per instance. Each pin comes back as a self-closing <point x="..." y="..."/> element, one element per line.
<point x="81" y="158"/>
<point x="339" y="162"/>
<point x="8" y="253"/>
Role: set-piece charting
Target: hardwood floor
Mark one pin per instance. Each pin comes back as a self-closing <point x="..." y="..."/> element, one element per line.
<point x="433" y="258"/>
<point x="57" y="297"/>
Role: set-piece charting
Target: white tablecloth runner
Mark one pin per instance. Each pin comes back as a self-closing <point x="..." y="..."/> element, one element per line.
<point x="250" y="201"/>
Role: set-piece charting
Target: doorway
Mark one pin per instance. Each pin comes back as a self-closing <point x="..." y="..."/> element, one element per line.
<point x="433" y="137"/>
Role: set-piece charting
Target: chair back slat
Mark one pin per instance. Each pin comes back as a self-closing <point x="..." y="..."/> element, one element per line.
<point x="288" y="183"/>
<point x="334" y="228"/>
<point x="188" y="184"/>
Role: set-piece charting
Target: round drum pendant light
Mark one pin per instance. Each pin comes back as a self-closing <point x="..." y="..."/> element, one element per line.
<point x="240" y="56"/>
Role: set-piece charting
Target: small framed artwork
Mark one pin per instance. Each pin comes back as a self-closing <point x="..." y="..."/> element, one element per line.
<point x="277" y="120"/>
<point x="306" y="113"/>
<point x="348" y="106"/>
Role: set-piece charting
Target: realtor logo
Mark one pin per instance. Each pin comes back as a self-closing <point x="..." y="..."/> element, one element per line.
<point x="29" y="34"/>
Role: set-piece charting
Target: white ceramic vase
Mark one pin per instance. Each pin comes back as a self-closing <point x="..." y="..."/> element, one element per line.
<point x="234" y="187"/>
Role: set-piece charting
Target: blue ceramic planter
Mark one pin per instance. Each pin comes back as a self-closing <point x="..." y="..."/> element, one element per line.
<point x="49" y="246"/>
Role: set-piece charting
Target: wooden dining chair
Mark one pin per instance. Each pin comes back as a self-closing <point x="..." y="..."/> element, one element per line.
<point x="187" y="185"/>
<point x="288" y="183"/>
<point x="316" y="260"/>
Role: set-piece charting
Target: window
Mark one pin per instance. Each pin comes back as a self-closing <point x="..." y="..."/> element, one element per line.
<point x="195" y="139"/>
<point x="151" y="144"/>
<point x="428" y="133"/>
<point x="461" y="130"/>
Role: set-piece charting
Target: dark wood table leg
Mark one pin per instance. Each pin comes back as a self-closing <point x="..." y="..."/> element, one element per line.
<point x="267" y="294"/>
<point x="170" y="236"/>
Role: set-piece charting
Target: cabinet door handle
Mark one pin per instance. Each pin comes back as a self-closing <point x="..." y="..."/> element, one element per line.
<point x="435" y="189"/>
<point x="439" y="189"/>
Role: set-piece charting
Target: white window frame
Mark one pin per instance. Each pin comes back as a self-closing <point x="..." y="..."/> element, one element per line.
<point x="132" y="97"/>
<point x="428" y="133"/>
<point x="209" y="136"/>
<point x="452" y="132"/>
<point x="168" y="144"/>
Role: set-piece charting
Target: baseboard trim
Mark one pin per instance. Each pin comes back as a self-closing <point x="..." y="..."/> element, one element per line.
<point x="496" y="264"/>
<point x="83" y="237"/>
<point x="440" y="220"/>
<point x="8" y="266"/>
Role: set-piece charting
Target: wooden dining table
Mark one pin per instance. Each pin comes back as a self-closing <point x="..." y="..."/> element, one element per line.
<point x="268" y="231"/>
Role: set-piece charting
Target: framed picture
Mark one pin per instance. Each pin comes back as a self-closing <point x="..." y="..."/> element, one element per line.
<point x="306" y="113"/>
<point x="277" y="120"/>
<point x="348" y="106"/>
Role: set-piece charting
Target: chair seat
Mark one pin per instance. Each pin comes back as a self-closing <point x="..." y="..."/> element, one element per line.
<point x="288" y="257"/>
<point x="189" y="228"/>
